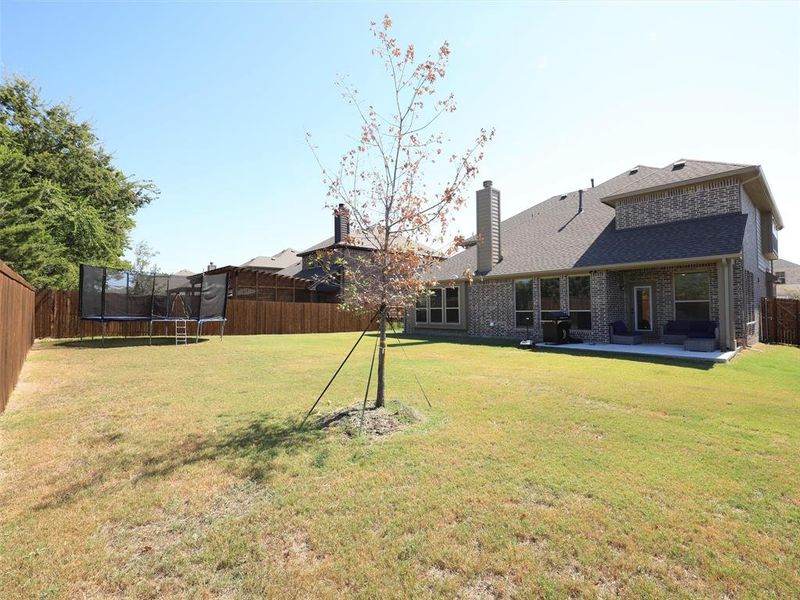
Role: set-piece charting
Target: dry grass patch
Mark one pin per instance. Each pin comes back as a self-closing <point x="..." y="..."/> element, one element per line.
<point x="162" y="472"/>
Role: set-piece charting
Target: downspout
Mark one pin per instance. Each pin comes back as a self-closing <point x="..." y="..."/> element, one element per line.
<point x="730" y="334"/>
<point x="723" y="306"/>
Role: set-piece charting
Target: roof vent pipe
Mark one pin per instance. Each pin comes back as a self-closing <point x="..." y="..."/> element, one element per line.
<point x="592" y="181"/>
<point x="580" y="201"/>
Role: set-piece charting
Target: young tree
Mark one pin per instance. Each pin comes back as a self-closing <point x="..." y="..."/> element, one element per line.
<point x="62" y="202"/>
<point x="384" y="187"/>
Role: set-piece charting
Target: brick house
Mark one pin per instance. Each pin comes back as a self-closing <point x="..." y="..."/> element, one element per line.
<point x="348" y="248"/>
<point x="691" y="241"/>
<point x="787" y="278"/>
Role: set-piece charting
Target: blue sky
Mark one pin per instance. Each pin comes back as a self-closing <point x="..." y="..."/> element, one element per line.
<point x="211" y="100"/>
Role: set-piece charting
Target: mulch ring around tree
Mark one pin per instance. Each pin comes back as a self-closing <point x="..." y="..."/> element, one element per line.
<point x="378" y="422"/>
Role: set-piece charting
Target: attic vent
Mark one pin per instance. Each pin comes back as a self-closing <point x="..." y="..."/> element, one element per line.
<point x="678" y="165"/>
<point x="563" y="196"/>
<point x="633" y="171"/>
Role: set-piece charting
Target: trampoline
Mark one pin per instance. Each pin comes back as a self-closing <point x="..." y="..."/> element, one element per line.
<point x="114" y="295"/>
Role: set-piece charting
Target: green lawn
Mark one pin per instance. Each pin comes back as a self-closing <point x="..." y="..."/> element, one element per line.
<point x="163" y="472"/>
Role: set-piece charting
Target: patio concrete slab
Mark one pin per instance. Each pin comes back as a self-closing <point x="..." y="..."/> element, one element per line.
<point x="657" y="350"/>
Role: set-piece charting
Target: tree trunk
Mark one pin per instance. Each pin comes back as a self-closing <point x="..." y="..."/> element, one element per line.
<point x="380" y="398"/>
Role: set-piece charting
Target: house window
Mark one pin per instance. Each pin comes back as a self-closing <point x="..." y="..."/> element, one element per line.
<point x="452" y="305"/>
<point x="550" y="297"/>
<point x="523" y="302"/>
<point x="692" y="296"/>
<point x="580" y="301"/>
<point x="435" y="306"/>
<point x="422" y="310"/>
<point x="780" y="276"/>
<point x="440" y="305"/>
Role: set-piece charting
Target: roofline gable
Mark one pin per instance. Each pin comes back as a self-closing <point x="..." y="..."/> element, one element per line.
<point x="756" y="186"/>
<point x="611" y="199"/>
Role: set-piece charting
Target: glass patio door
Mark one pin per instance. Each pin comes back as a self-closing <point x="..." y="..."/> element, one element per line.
<point x="643" y="308"/>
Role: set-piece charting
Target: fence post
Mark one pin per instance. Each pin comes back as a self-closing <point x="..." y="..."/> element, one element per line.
<point x="797" y="322"/>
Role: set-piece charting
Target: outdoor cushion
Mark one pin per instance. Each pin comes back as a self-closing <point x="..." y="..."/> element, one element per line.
<point x="619" y="328"/>
<point x="703" y="329"/>
<point x="698" y="326"/>
<point x="678" y="327"/>
<point x="702" y="335"/>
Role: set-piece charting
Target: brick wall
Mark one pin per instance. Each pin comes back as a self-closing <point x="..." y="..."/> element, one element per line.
<point x="692" y="202"/>
<point x="490" y="309"/>
<point x="664" y="294"/>
<point x="490" y="303"/>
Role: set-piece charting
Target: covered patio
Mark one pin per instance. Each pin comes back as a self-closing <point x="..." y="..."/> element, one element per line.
<point x="669" y="351"/>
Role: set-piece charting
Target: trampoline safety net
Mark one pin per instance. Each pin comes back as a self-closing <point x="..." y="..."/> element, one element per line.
<point x="113" y="295"/>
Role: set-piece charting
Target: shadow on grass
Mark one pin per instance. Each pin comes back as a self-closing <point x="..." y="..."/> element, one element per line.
<point x="249" y="450"/>
<point x="124" y="342"/>
<point x="419" y="340"/>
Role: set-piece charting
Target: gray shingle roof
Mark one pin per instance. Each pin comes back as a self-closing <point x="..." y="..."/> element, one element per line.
<point x="360" y="239"/>
<point x="281" y="260"/>
<point x="710" y="236"/>
<point x="673" y="174"/>
<point x="553" y="236"/>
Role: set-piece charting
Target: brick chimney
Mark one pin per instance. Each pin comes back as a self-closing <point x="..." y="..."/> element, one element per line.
<point x="488" y="227"/>
<point x="341" y="223"/>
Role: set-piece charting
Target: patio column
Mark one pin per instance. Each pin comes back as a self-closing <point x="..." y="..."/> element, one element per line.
<point x="727" y="338"/>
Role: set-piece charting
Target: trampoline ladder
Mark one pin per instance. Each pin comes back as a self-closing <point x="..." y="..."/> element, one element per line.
<point x="181" y="329"/>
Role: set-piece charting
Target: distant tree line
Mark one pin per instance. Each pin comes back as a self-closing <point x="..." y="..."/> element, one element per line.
<point x="62" y="201"/>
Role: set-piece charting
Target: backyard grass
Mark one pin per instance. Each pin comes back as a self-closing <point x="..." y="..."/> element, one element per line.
<point x="163" y="472"/>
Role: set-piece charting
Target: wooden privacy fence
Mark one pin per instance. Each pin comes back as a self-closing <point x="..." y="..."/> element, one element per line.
<point x="780" y="321"/>
<point x="16" y="328"/>
<point x="57" y="317"/>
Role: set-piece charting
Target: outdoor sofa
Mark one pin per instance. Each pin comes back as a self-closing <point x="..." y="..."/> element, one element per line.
<point x="621" y="335"/>
<point x="694" y="335"/>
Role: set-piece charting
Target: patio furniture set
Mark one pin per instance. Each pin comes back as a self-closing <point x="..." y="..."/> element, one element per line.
<point x="697" y="336"/>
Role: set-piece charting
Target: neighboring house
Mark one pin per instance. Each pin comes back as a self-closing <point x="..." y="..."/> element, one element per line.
<point x="259" y="279"/>
<point x="273" y="264"/>
<point x="345" y="245"/>
<point x="247" y="283"/>
<point x="787" y="279"/>
<point x="690" y="241"/>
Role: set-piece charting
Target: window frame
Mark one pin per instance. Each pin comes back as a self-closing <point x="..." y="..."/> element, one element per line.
<point x="780" y="277"/>
<point x="517" y="310"/>
<point x="675" y="301"/>
<point x="423" y="305"/>
<point x="570" y="310"/>
<point x="542" y="310"/>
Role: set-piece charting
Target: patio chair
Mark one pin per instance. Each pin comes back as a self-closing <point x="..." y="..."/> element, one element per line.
<point x="621" y="335"/>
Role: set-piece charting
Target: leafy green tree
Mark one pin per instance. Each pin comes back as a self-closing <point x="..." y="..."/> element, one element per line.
<point x="62" y="201"/>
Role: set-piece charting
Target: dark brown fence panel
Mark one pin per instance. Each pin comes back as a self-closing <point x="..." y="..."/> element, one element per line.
<point x="57" y="317"/>
<point x="780" y="321"/>
<point x="17" y="299"/>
